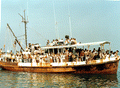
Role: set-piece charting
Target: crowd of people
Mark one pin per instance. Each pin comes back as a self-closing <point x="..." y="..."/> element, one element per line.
<point x="68" y="55"/>
<point x="57" y="42"/>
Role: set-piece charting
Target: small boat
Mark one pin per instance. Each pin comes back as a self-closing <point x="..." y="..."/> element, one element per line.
<point x="60" y="57"/>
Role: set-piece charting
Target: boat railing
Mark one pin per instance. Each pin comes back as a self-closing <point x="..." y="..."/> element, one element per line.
<point x="74" y="63"/>
<point x="45" y="60"/>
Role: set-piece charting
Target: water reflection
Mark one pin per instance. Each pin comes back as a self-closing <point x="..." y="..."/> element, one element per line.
<point x="63" y="80"/>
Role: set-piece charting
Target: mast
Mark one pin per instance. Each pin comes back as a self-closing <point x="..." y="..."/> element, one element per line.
<point x="25" y="22"/>
<point x="15" y="37"/>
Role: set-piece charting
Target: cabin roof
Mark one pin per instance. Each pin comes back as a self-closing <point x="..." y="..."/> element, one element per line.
<point x="78" y="44"/>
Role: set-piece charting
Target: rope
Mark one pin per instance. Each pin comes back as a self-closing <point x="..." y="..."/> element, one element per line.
<point x="21" y="35"/>
<point x="21" y="39"/>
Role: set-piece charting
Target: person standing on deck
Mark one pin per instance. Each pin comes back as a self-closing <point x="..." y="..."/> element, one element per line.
<point x="0" y="53"/>
<point x="32" y="49"/>
<point x="66" y="55"/>
<point x="62" y="57"/>
<point x="48" y="42"/>
<point x="91" y="54"/>
<point x="13" y="58"/>
<point x="117" y="52"/>
<point x="37" y="58"/>
<point x="29" y="47"/>
<point x="70" y="57"/>
<point x="34" y="58"/>
<point x="82" y="55"/>
<point x="20" y="58"/>
<point x="74" y="54"/>
<point x="67" y="41"/>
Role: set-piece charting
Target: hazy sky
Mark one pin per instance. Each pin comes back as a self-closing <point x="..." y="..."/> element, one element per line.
<point x="91" y="20"/>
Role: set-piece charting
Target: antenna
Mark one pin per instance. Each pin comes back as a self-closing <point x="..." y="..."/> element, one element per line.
<point x="69" y="20"/>
<point x="25" y="22"/>
<point x="57" y="33"/>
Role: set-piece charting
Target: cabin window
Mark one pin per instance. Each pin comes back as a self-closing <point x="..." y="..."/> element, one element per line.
<point x="60" y="50"/>
<point x="46" y="51"/>
<point x="55" y="51"/>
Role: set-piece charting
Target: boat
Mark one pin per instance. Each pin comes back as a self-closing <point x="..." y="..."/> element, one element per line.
<point x="60" y="57"/>
<point x="99" y="66"/>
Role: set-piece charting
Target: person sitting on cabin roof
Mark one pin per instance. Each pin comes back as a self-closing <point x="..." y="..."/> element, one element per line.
<point x="48" y="42"/>
<point x="117" y="52"/>
<point x="56" y="42"/>
<point x="53" y="42"/>
<point x="29" y="47"/>
<point x="60" y="42"/>
<point x="67" y="41"/>
<point x="73" y="41"/>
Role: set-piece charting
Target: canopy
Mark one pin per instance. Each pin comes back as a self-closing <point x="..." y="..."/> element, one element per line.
<point x="78" y="44"/>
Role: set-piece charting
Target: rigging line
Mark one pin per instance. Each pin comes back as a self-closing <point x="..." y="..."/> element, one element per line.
<point x="21" y="35"/>
<point x="69" y="20"/>
<point x="27" y="10"/>
<point x="5" y="37"/>
<point x="55" y="21"/>
<point x="21" y="39"/>
<point x="39" y="34"/>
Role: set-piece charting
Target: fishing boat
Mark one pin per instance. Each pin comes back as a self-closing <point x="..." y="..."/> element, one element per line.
<point x="60" y="57"/>
<point x="99" y="66"/>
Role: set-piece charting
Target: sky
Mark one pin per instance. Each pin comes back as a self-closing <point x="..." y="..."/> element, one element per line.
<point x="88" y="20"/>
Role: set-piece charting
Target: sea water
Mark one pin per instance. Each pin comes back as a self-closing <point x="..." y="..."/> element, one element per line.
<point x="9" y="79"/>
